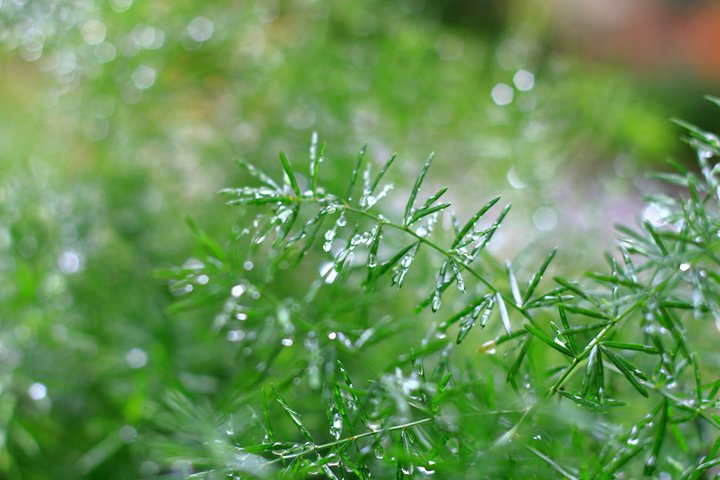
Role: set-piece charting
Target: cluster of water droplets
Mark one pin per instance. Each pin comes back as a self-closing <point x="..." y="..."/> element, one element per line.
<point x="369" y="200"/>
<point x="376" y="234"/>
<point x="401" y="270"/>
<point x="332" y="232"/>
<point x="191" y="274"/>
<point x="362" y="239"/>
<point x="336" y="424"/>
<point x="481" y="311"/>
<point x="427" y="225"/>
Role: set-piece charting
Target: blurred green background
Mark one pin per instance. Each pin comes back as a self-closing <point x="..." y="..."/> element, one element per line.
<point x="119" y="117"/>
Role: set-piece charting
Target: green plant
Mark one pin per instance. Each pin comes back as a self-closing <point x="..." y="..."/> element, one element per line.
<point x="332" y="383"/>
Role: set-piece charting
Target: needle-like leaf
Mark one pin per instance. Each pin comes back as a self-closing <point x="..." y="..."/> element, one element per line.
<point x="416" y="188"/>
<point x="289" y="174"/>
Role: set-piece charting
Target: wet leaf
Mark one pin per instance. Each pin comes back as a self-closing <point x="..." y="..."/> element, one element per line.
<point x="381" y="173"/>
<point x="545" y="338"/>
<point x="471" y="223"/>
<point x="416" y="188"/>
<point x="289" y="174"/>
<point x="537" y="276"/>
<point x="628" y="370"/>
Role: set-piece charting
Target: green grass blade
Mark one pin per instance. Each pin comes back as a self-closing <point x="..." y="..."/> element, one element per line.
<point x="545" y="338"/>
<point x="630" y="346"/>
<point x="465" y="326"/>
<point x="491" y="232"/>
<point x="475" y="218"/>
<point x="394" y="260"/>
<point x="435" y="197"/>
<point x="381" y="173"/>
<point x="586" y="312"/>
<point x="259" y="174"/>
<point x="439" y="287"/>
<point x="556" y="466"/>
<point x="425" y="211"/>
<point x="503" y="312"/>
<point x="514" y="287"/>
<point x="293" y="415"/>
<point x="491" y="345"/>
<point x="660" y="430"/>
<point x="515" y="367"/>
<point x="416" y="188"/>
<point x="372" y="258"/>
<point x="591" y="382"/>
<point x="712" y="99"/>
<point x="458" y="276"/>
<point x="209" y="244"/>
<point x="628" y="370"/>
<point x="289" y="174"/>
<point x="535" y="280"/>
<point x="355" y="172"/>
<point x="404" y="266"/>
<point x="656" y="237"/>
<point x="316" y="158"/>
<point x="570" y="339"/>
<point x="698" y="133"/>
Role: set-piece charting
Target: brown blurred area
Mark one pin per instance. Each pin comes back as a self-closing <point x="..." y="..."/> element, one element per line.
<point x="670" y="38"/>
<point x="654" y="36"/>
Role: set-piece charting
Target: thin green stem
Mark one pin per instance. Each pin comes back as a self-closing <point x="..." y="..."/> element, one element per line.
<point x="353" y="438"/>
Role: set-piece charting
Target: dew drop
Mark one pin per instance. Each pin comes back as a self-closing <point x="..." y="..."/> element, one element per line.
<point x="93" y="32"/>
<point x="545" y="219"/>
<point x="425" y="470"/>
<point x="128" y="434"/>
<point x="655" y="214"/>
<point x="37" y="391"/>
<point x="436" y="301"/>
<point x="337" y="426"/>
<point x="69" y="262"/>
<point x="237" y="290"/>
<point x="200" y="29"/>
<point x="514" y="179"/>
<point x="372" y="261"/>
<point x="704" y="152"/>
<point x="524" y="80"/>
<point x="328" y="272"/>
<point x="144" y="77"/>
<point x="502" y="94"/>
<point x="374" y="425"/>
<point x="136" y="358"/>
<point x="378" y="452"/>
<point x="235" y="335"/>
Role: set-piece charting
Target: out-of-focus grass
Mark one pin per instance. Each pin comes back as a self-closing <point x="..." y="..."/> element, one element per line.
<point x="107" y="139"/>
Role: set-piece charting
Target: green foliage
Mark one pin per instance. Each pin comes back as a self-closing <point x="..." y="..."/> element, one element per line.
<point x="105" y="146"/>
<point x="340" y="385"/>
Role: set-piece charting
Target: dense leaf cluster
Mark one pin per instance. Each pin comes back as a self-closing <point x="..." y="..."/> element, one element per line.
<point x="367" y="394"/>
